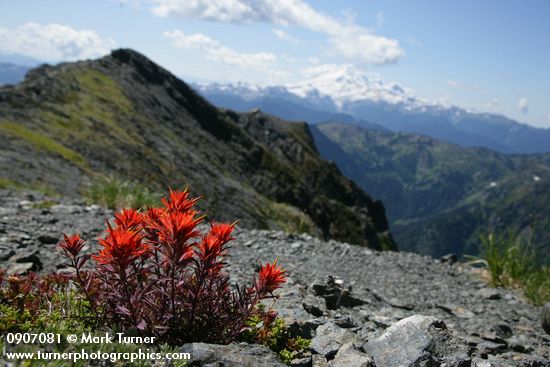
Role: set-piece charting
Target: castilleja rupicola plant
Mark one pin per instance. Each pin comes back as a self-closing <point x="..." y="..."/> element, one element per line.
<point x="157" y="275"/>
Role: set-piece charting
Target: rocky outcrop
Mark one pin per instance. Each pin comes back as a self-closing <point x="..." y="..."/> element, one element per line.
<point x="124" y="115"/>
<point x="360" y="307"/>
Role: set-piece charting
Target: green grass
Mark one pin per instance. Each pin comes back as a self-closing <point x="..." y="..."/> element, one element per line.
<point x="115" y="193"/>
<point x="6" y="183"/>
<point x="42" y="142"/>
<point x="511" y="263"/>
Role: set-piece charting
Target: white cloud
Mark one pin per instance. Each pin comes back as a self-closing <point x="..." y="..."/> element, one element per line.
<point x="548" y="117"/>
<point x="493" y="105"/>
<point x="284" y="36"/>
<point x="217" y="52"/>
<point x="53" y="42"/>
<point x="523" y="105"/>
<point x="351" y="41"/>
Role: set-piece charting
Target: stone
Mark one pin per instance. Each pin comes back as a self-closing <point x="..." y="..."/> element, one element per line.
<point x="48" y="239"/>
<point x="232" y="355"/>
<point x="329" y="338"/>
<point x="449" y="258"/>
<point x="334" y="293"/>
<point x="305" y="329"/>
<point x="318" y="360"/>
<point x="33" y="258"/>
<point x="20" y="268"/>
<point x="350" y="356"/>
<point x="488" y="293"/>
<point x="415" y="341"/>
<point x="301" y="362"/>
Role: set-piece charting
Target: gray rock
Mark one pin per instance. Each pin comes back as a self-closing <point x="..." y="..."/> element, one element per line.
<point x="350" y="356"/>
<point x="488" y="293"/>
<point x="330" y="338"/>
<point x="232" y="355"/>
<point x="415" y="340"/>
<point x="301" y="362"/>
<point x="449" y="258"/>
<point x="335" y="294"/>
<point x="48" y="239"/>
<point x="20" y="268"/>
<point x="318" y="360"/>
<point x="545" y="316"/>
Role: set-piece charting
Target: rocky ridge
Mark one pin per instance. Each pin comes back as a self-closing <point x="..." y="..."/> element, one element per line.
<point x="360" y="307"/>
<point x="126" y="116"/>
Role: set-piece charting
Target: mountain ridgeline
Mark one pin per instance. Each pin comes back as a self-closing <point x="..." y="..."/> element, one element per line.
<point x="441" y="197"/>
<point x="124" y="115"/>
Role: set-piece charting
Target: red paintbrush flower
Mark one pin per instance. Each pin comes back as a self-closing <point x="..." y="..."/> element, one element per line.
<point x="178" y="201"/>
<point x="129" y="219"/>
<point x="271" y="277"/>
<point x="177" y="227"/>
<point x="121" y="247"/>
<point x="72" y="245"/>
<point x="173" y="232"/>
<point x="212" y="245"/>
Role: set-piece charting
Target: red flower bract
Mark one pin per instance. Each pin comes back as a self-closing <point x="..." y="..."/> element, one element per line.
<point x="72" y="245"/>
<point x="178" y="201"/>
<point x="120" y="247"/>
<point x="129" y="219"/>
<point x="271" y="277"/>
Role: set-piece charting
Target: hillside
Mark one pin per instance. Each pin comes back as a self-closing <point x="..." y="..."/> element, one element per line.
<point x="440" y="197"/>
<point x="124" y="115"/>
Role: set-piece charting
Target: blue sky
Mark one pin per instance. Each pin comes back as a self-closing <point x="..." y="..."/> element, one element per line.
<point x="490" y="56"/>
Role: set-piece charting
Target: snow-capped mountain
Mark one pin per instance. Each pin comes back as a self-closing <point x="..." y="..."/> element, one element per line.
<point x="343" y="93"/>
<point x="345" y="84"/>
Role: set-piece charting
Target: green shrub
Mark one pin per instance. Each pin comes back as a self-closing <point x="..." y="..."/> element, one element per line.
<point x="264" y="328"/>
<point x="511" y="263"/>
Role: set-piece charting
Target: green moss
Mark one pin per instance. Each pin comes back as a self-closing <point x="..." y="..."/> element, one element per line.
<point x="42" y="142"/>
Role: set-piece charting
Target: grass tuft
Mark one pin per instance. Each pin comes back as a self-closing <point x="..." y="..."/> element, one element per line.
<point x="511" y="263"/>
<point x="115" y="193"/>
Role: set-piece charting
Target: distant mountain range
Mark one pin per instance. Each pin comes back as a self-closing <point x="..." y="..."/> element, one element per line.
<point x="347" y="95"/>
<point x="124" y="115"/>
<point x="441" y="197"/>
<point x="12" y="73"/>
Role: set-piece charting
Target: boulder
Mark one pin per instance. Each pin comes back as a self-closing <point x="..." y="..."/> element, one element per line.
<point x="417" y="341"/>
<point x="330" y="338"/>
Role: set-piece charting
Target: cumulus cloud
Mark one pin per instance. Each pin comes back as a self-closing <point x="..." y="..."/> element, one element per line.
<point x="523" y="105"/>
<point x="53" y="42"/>
<point x="284" y="36"/>
<point x="217" y="52"/>
<point x="352" y="41"/>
